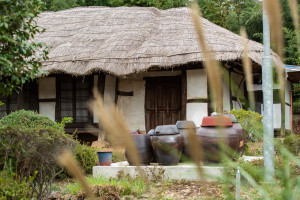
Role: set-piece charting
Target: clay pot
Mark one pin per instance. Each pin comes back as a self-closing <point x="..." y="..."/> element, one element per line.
<point x="184" y="127"/>
<point x="144" y="148"/>
<point x="209" y="136"/>
<point x="167" y="144"/>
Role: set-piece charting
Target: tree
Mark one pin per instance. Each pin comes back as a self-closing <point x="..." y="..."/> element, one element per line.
<point x="55" y="5"/>
<point x="20" y="57"/>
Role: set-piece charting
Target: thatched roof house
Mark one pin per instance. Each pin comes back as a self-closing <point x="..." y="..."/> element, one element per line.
<point x="146" y="60"/>
<point x="127" y="40"/>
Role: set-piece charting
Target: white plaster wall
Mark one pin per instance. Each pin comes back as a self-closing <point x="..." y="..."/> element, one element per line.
<point x="276" y="115"/>
<point x="196" y="84"/>
<point x="195" y="112"/>
<point x="47" y="88"/>
<point x="47" y="109"/>
<point x="109" y="90"/>
<point x="133" y="107"/>
<point x="226" y="93"/>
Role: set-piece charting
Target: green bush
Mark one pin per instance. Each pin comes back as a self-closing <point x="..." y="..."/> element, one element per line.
<point x="29" y="119"/>
<point x="86" y="157"/>
<point x="251" y="122"/>
<point x="292" y="143"/>
<point x="30" y="142"/>
<point x="13" y="188"/>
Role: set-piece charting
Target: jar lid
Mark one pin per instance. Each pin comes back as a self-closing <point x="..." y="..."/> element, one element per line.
<point x="166" y="130"/>
<point x="151" y="132"/>
<point x="185" y="124"/>
<point x="213" y="121"/>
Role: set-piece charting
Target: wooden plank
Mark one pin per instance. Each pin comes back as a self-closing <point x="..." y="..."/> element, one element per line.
<point x="58" y="99"/>
<point x="101" y="83"/>
<point x="121" y="93"/>
<point x="183" y="95"/>
<point x="198" y="100"/>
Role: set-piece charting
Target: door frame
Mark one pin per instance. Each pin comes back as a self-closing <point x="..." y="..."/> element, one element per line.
<point x="183" y="93"/>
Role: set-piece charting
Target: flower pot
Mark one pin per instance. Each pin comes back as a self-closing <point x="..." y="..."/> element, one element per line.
<point x="144" y="149"/>
<point x="105" y="158"/>
<point x="167" y="144"/>
<point x="184" y="127"/>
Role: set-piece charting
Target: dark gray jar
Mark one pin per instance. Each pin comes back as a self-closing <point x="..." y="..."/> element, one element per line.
<point x="144" y="149"/>
<point x="167" y="144"/>
<point x="184" y="127"/>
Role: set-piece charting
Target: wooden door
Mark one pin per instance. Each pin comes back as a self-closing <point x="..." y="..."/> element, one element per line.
<point x="163" y="101"/>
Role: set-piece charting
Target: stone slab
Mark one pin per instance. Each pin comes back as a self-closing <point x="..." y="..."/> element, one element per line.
<point x="178" y="172"/>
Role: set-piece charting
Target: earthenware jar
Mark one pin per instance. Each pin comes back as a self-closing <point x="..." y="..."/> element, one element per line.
<point x="144" y="149"/>
<point x="167" y="144"/>
<point x="184" y="127"/>
<point x="217" y="130"/>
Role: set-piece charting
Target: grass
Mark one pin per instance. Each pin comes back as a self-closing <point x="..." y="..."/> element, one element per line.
<point x="125" y="185"/>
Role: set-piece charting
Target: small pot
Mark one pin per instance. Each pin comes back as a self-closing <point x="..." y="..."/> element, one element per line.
<point x="167" y="144"/>
<point x="105" y="158"/>
<point x="184" y="127"/>
<point x="144" y="149"/>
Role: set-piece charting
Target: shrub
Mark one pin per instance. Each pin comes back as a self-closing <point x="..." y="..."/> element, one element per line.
<point x="30" y="142"/>
<point x="29" y="119"/>
<point x="12" y="188"/>
<point x="251" y="122"/>
<point x="292" y="143"/>
<point x="86" y="157"/>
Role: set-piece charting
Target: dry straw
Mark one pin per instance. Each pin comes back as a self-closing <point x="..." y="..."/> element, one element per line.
<point x="211" y="65"/>
<point x="129" y="40"/>
<point x="116" y="129"/>
<point x="66" y="160"/>
<point x="274" y="15"/>
<point x="273" y="10"/>
<point x="247" y="65"/>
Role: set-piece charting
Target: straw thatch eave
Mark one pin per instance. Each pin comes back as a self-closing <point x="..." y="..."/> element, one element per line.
<point x="126" y="40"/>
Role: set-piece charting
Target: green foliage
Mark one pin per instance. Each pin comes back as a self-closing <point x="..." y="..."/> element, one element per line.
<point x="251" y="122"/>
<point x="30" y="119"/>
<point x="20" y="57"/>
<point x="86" y="157"/>
<point x="292" y="53"/>
<point x="63" y="4"/>
<point x="118" y="156"/>
<point x="121" y="186"/>
<point x="56" y="5"/>
<point x="292" y="143"/>
<point x="30" y="142"/>
<point x="13" y="188"/>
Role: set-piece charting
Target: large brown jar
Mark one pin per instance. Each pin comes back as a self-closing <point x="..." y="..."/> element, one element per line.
<point x="214" y="133"/>
<point x="144" y="149"/>
<point x="167" y="144"/>
<point x="184" y="128"/>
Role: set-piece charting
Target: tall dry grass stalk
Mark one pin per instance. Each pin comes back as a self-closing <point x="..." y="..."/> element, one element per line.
<point x="273" y="10"/>
<point x="211" y="65"/>
<point x="66" y="160"/>
<point x="247" y="65"/>
<point x="116" y="129"/>
<point x="195" y="151"/>
<point x="294" y="9"/>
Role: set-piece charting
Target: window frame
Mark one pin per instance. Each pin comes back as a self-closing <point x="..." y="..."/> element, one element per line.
<point x="74" y="124"/>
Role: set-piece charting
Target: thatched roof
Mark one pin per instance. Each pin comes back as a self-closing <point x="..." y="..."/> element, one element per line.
<point x="127" y="40"/>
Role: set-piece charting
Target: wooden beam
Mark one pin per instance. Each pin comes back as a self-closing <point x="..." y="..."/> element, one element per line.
<point x="183" y="94"/>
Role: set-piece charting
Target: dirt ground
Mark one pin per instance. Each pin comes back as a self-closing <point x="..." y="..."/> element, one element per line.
<point x="189" y="190"/>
